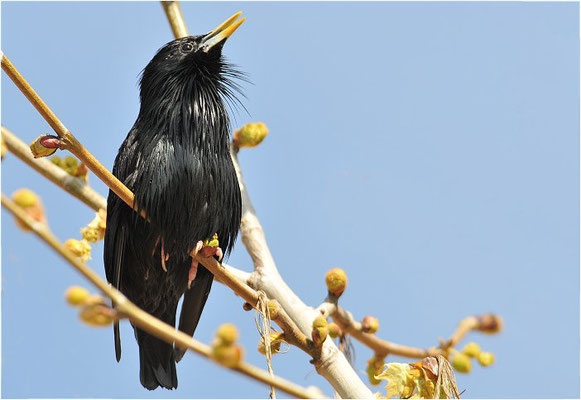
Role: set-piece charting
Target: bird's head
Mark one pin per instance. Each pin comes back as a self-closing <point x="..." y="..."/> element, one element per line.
<point x="189" y="59"/>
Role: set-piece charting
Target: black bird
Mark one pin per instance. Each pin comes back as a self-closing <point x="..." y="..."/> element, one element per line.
<point x="176" y="161"/>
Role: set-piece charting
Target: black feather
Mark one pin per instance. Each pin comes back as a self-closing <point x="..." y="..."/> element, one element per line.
<point x="176" y="161"/>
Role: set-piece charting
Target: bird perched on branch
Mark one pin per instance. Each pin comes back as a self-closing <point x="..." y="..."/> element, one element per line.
<point x="176" y="161"/>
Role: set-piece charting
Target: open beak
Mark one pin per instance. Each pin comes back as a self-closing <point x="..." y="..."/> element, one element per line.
<point x="223" y="32"/>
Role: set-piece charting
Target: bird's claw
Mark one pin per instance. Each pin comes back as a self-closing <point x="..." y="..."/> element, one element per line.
<point x="164" y="257"/>
<point x="207" y="248"/>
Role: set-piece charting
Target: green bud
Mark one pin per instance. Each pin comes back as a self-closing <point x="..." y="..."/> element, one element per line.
<point x="461" y="363"/>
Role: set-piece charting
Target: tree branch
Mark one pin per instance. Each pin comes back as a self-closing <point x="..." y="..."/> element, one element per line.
<point x="174" y="15"/>
<point x="67" y="139"/>
<point x="144" y="320"/>
<point x="490" y="323"/>
<point x="73" y="185"/>
<point x="331" y="363"/>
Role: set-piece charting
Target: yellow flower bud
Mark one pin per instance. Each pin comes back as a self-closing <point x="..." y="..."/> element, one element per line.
<point x="31" y="204"/>
<point x="336" y="281"/>
<point x="25" y="198"/>
<point x="320" y="330"/>
<point x="102" y="214"/>
<point x="320" y="322"/>
<point x="96" y="315"/>
<point x="228" y="356"/>
<point x="374" y="367"/>
<point x="212" y="242"/>
<point x="335" y="330"/>
<point x="370" y="324"/>
<point x="471" y="349"/>
<point x="44" y="146"/>
<point x="76" y="295"/>
<point x="250" y="135"/>
<point x="56" y="160"/>
<point x="95" y="230"/>
<point x="80" y="248"/>
<point x="485" y="358"/>
<point x="461" y="363"/>
<point x="227" y="334"/>
<point x="70" y="162"/>
<point x="91" y="234"/>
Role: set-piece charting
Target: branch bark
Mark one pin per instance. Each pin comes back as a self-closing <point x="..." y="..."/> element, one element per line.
<point x="77" y="187"/>
<point x="331" y="363"/>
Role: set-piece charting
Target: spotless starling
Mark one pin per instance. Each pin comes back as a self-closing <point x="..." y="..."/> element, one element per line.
<point x="176" y="161"/>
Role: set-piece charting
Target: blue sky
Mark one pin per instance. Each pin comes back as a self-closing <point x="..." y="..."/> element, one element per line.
<point x="429" y="149"/>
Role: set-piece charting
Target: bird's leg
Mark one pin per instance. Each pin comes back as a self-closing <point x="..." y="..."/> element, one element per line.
<point x="207" y="248"/>
<point x="192" y="272"/>
<point x="194" y="267"/>
<point x="212" y="247"/>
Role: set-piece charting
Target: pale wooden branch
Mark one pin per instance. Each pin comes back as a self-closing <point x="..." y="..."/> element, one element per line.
<point x="174" y="15"/>
<point x="330" y="363"/>
<point x="144" y="320"/>
<point x="73" y="185"/>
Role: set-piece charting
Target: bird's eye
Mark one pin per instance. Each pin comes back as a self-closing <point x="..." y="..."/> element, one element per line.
<point x="187" y="47"/>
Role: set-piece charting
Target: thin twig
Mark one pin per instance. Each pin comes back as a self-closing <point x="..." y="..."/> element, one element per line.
<point x="67" y="139"/>
<point x="383" y="348"/>
<point x="73" y="185"/>
<point x="142" y="319"/>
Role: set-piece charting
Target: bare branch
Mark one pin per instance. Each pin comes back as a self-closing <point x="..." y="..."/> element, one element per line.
<point x="144" y="320"/>
<point x="67" y="140"/>
<point x="330" y="363"/>
<point x="174" y="15"/>
<point x="487" y="323"/>
<point x="73" y="185"/>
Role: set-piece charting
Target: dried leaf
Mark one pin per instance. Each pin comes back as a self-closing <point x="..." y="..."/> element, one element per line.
<point x="446" y="379"/>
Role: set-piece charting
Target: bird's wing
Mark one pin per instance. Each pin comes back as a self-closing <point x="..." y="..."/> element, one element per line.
<point x="193" y="305"/>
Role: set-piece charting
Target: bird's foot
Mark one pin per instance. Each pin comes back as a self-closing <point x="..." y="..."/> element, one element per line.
<point x="207" y="248"/>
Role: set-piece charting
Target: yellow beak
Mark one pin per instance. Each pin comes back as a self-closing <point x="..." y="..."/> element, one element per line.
<point x="223" y="32"/>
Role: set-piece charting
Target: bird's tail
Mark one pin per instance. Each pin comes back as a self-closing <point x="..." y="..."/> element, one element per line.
<point x="193" y="305"/>
<point x="157" y="366"/>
